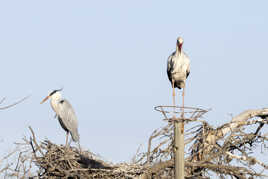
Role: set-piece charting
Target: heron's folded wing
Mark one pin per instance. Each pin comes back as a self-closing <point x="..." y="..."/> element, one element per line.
<point x="67" y="114"/>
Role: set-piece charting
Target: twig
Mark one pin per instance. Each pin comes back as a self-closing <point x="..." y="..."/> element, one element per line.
<point x="34" y="140"/>
<point x="11" y="105"/>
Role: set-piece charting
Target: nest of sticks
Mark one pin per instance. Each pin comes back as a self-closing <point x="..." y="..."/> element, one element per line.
<point x="61" y="162"/>
<point x="57" y="161"/>
<point x="44" y="159"/>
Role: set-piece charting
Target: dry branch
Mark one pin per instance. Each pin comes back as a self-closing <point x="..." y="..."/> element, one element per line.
<point x="13" y="104"/>
<point x="224" y="151"/>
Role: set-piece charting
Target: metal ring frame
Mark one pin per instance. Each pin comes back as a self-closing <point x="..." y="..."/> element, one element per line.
<point x="187" y="114"/>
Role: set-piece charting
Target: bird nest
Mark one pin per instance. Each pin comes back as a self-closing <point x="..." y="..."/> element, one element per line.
<point x="186" y="114"/>
<point x="61" y="162"/>
<point x="47" y="160"/>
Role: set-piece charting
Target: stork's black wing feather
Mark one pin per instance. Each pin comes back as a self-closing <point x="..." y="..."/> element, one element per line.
<point x="170" y="66"/>
<point x="187" y="74"/>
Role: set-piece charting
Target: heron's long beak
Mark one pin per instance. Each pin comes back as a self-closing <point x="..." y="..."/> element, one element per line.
<point x="46" y="98"/>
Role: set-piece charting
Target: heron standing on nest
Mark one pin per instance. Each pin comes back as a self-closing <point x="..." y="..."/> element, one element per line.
<point x="178" y="69"/>
<point x="65" y="113"/>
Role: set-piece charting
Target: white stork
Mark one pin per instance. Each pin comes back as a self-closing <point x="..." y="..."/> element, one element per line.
<point x="178" y="69"/>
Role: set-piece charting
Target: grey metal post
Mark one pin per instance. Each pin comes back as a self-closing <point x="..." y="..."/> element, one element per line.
<point x="179" y="149"/>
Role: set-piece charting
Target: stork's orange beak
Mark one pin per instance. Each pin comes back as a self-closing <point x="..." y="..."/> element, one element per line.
<point x="46" y="98"/>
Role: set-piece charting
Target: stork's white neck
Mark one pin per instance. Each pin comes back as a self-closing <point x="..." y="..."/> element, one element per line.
<point x="178" y="51"/>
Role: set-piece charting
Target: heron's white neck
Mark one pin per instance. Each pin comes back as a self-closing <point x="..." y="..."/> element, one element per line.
<point x="56" y="97"/>
<point x="54" y="100"/>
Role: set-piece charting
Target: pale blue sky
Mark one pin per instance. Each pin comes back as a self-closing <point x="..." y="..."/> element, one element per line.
<point x="110" y="57"/>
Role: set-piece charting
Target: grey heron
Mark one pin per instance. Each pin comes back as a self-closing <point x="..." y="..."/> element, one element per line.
<point x="65" y="113"/>
<point x="178" y="69"/>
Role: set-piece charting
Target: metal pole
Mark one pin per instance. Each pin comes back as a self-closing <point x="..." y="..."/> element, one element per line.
<point x="179" y="149"/>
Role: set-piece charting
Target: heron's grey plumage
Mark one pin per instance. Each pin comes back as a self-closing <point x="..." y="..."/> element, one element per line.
<point x="68" y="119"/>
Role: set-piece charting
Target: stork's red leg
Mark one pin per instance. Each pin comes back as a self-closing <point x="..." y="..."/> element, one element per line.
<point x="173" y="94"/>
<point x="183" y="93"/>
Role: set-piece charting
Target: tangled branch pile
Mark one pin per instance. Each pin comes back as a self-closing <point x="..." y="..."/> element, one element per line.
<point x="229" y="150"/>
<point x="225" y="151"/>
<point x="60" y="162"/>
<point x="48" y="160"/>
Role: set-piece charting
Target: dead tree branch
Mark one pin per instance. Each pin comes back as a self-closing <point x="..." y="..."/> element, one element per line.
<point x="225" y="151"/>
<point x="13" y="104"/>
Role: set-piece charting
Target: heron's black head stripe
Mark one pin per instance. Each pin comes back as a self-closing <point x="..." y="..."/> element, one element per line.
<point x="53" y="92"/>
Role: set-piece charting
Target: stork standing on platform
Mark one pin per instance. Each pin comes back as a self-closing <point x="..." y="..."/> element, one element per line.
<point x="65" y="113"/>
<point x="178" y="69"/>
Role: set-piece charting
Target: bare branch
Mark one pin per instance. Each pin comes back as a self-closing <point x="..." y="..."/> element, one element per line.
<point x="11" y="105"/>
